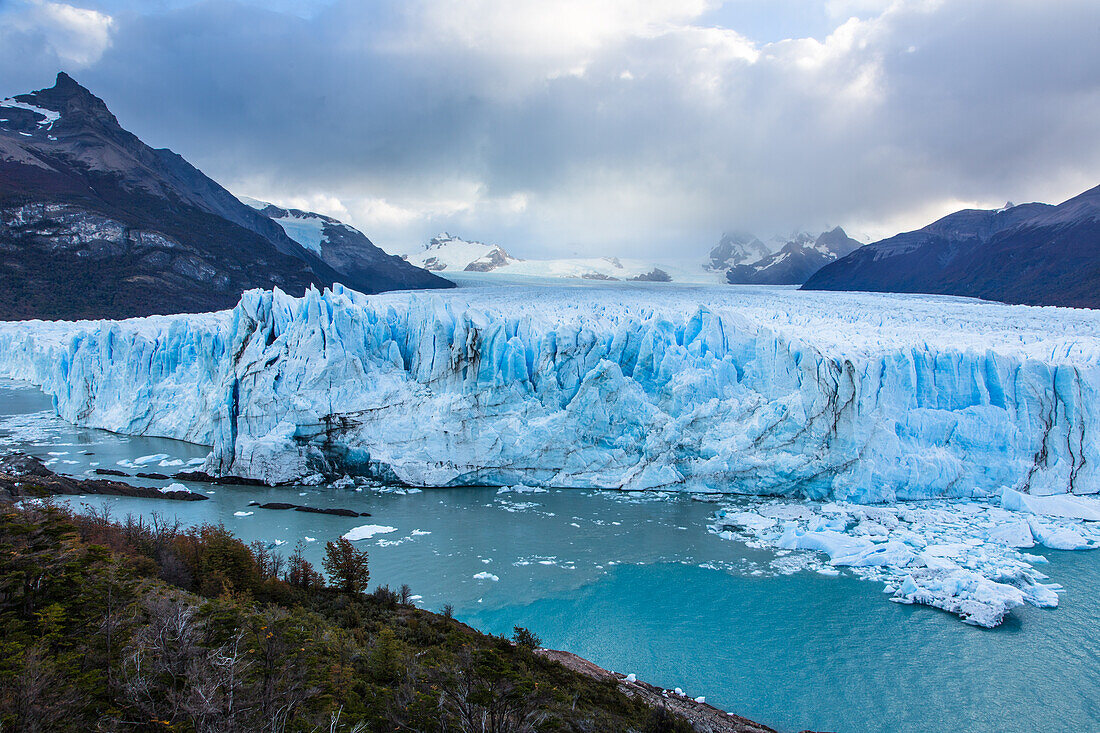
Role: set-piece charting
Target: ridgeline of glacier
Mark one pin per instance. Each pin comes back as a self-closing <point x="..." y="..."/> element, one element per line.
<point x="828" y="401"/>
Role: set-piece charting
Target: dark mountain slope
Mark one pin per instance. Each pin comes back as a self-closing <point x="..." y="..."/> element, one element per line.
<point x="1034" y="254"/>
<point x="96" y="224"/>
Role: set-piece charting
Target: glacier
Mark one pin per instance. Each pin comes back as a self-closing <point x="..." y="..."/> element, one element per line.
<point x="857" y="397"/>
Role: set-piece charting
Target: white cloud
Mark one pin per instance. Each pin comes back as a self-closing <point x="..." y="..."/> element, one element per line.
<point x="78" y="36"/>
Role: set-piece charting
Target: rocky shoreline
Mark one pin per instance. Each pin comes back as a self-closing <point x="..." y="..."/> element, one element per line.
<point x="703" y="717"/>
<point x="25" y="477"/>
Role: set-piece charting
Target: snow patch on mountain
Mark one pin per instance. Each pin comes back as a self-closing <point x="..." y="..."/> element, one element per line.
<point x="49" y="115"/>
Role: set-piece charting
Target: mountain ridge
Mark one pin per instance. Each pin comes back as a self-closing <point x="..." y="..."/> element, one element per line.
<point x="94" y="223"/>
<point x="1032" y="254"/>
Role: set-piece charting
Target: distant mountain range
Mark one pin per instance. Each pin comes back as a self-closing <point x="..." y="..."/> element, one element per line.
<point x="746" y="260"/>
<point x="450" y="253"/>
<point x="96" y="224"/>
<point x="1036" y="254"/>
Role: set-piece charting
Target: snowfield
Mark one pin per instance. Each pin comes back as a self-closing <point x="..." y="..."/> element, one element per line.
<point x="831" y="402"/>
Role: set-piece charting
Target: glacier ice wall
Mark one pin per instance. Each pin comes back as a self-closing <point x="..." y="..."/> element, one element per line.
<point x="865" y="398"/>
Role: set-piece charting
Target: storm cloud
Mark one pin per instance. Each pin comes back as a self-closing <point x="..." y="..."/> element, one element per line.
<point x="596" y="126"/>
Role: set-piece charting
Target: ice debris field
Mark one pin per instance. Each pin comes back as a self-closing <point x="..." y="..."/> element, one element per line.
<point x="843" y="398"/>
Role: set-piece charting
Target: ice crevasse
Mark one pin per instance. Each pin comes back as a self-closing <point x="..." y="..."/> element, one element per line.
<point x="855" y="397"/>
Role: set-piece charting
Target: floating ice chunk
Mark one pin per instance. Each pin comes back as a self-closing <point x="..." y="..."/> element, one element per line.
<point x="174" y="489"/>
<point x="419" y="532"/>
<point x="631" y="677"/>
<point x="242" y="514"/>
<point x="521" y="489"/>
<point x="892" y="553"/>
<point x="150" y="459"/>
<point x="367" y="531"/>
<point x="1059" y="537"/>
<point x="171" y="463"/>
<point x="975" y="599"/>
<point x="832" y="543"/>
<point x="485" y="575"/>
<point x="701" y="698"/>
<point x="1062" y="505"/>
<point x="1014" y="533"/>
<point x="314" y="479"/>
<point x="307" y="538"/>
<point x="748" y="520"/>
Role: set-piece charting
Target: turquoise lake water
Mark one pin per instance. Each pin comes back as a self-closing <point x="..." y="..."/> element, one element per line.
<point x="636" y="583"/>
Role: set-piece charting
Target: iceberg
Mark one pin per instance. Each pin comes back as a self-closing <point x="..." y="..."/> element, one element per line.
<point x="856" y="397"/>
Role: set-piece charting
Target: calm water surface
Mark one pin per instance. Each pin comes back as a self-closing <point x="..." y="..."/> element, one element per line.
<point x="637" y="584"/>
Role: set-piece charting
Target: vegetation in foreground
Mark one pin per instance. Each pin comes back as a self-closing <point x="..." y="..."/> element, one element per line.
<point x="149" y="626"/>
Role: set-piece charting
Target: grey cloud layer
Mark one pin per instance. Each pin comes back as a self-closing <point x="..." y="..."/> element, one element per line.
<point x="623" y="127"/>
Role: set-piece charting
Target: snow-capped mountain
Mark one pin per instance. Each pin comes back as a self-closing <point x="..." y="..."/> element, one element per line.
<point x="736" y="248"/>
<point x="798" y="259"/>
<point x="95" y="223"/>
<point x="1035" y="254"/>
<point x="345" y="248"/>
<point x="448" y="252"/>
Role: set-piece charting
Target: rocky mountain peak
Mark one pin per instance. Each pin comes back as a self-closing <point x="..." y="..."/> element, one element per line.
<point x="75" y="103"/>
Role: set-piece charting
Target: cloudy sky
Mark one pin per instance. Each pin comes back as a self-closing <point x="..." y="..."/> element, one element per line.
<point x="595" y="126"/>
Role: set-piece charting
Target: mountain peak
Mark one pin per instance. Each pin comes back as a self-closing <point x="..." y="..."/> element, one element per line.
<point x="72" y="100"/>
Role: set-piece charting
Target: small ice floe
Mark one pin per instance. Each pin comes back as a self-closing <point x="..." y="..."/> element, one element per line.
<point x="315" y="479"/>
<point x="151" y="458"/>
<point x="367" y="531"/>
<point x="310" y="539"/>
<point x="419" y="532"/>
<point x="679" y="692"/>
<point x="701" y="698"/>
<point x="484" y="575"/>
<point x="521" y="489"/>
<point x="276" y="543"/>
<point x="242" y="514"/>
<point x="347" y="482"/>
<point x="196" y="462"/>
<point x="171" y="463"/>
<point x="175" y="488"/>
<point x="631" y="677"/>
<point x="416" y="598"/>
<point x="58" y="453"/>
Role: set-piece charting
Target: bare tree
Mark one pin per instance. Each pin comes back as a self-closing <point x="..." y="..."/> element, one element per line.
<point x="471" y="701"/>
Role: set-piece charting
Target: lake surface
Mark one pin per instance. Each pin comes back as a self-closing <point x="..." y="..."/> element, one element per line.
<point x="636" y="583"/>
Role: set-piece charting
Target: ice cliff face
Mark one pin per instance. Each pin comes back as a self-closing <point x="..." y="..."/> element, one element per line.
<point x="860" y="397"/>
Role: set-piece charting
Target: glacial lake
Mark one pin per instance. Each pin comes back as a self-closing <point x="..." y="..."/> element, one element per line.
<point x="636" y="583"/>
